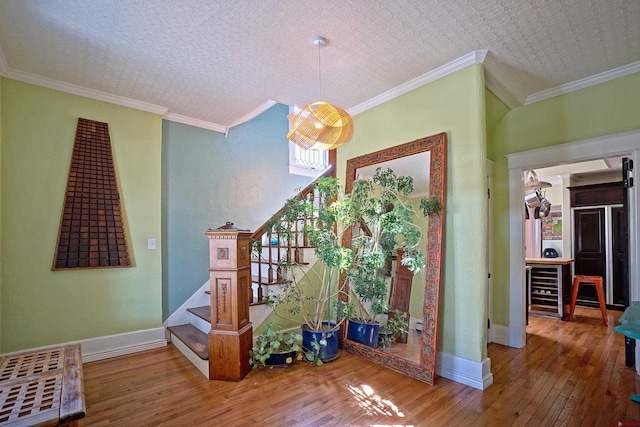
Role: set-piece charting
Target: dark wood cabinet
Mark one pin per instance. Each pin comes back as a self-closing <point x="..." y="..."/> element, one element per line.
<point x="609" y="193"/>
<point x="601" y="240"/>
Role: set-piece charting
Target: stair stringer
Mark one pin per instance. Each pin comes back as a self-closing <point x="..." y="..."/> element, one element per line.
<point x="181" y="315"/>
<point x="258" y="314"/>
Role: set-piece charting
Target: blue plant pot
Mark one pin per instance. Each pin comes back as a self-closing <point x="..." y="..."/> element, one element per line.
<point x="281" y="360"/>
<point x="328" y="352"/>
<point x="364" y="332"/>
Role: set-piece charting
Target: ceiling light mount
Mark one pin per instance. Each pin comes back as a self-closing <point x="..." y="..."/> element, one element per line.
<point x="319" y="41"/>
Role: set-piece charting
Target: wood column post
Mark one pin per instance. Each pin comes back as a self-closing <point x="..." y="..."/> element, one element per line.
<point x="231" y="335"/>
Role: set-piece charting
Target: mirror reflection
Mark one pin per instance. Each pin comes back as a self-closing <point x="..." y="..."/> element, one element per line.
<point x="401" y="319"/>
<point x="412" y="298"/>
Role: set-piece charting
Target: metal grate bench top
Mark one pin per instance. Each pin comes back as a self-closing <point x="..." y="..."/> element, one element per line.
<point x="42" y="387"/>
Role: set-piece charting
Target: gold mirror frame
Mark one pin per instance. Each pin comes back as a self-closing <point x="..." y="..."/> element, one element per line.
<point x="425" y="370"/>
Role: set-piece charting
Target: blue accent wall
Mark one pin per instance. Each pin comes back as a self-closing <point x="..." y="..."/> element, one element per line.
<point x="208" y="179"/>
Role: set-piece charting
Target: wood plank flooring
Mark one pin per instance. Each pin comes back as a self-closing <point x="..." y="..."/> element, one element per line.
<point x="569" y="374"/>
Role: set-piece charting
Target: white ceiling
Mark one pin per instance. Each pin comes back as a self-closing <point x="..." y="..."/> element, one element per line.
<point x="216" y="63"/>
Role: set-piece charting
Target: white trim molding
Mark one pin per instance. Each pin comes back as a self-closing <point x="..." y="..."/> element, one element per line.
<point x="114" y="345"/>
<point x="625" y="70"/>
<point x="627" y="144"/>
<point x="500" y="334"/>
<point x="83" y="91"/>
<point x="474" y="374"/>
<point x="181" y="316"/>
<point x="195" y="122"/>
<point x="253" y="113"/>
<point x="499" y="81"/>
<point x="475" y="57"/>
<point x="118" y="345"/>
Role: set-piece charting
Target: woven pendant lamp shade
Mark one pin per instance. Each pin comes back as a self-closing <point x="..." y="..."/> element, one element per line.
<point x="320" y="126"/>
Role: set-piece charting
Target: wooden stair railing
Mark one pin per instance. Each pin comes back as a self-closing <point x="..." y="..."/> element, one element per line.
<point x="271" y="248"/>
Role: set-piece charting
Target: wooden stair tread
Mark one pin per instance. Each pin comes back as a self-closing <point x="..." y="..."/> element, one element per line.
<point x="203" y="312"/>
<point x="193" y="338"/>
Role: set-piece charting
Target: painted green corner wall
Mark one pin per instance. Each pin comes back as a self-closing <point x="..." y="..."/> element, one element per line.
<point x="599" y="110"/>
<point x="454" y="104"/>
<point x="210" y="178"/>
<point x="43" y="307"/>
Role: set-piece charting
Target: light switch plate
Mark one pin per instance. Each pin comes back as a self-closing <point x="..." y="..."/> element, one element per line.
<point x="151" y="243"/>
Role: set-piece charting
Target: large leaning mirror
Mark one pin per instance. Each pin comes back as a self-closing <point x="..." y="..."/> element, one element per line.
<point x="425" y="160"/>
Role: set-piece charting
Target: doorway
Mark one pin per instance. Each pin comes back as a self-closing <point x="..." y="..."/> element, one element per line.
<point x="628" y="144"/>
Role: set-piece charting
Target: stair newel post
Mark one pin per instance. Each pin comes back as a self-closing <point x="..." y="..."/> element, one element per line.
<point x="231" y="334"/>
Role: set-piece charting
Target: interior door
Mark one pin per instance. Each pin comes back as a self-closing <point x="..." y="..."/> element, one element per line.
<point x="590" y="248"/>
<point x="620" y="259"/>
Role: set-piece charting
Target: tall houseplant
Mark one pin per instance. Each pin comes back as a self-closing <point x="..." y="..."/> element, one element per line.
<point x="351" y="234"/>
<point x="386" y="221"/>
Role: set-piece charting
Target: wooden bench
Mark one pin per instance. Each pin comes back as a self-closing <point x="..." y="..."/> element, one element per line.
<point x="42" y="387"/>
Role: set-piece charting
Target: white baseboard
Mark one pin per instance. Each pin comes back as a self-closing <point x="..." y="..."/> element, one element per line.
<point x="500" y="334"/>
<point x="475" y="374"/>
<point x="113" y="345"/>
<point x="118" y="345"/>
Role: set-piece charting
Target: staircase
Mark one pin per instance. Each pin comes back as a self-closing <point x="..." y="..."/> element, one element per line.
<point x="189" y="327"/>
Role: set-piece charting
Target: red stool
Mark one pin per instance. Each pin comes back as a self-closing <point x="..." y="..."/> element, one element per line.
<point x="589" y="280"/>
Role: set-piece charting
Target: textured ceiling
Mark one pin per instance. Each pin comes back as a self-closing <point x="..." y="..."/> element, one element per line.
<point x="221" y="61"/>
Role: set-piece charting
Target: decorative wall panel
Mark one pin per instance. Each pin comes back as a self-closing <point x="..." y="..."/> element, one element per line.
<point x="92" y="232"/>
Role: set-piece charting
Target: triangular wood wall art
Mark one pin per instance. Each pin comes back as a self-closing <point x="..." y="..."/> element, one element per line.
<point x="92" y="232"/>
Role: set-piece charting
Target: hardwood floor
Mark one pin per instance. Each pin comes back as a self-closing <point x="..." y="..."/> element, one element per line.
<point x="570" y="373"/>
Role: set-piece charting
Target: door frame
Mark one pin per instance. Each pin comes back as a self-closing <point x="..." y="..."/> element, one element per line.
<point x="626" y="143"/>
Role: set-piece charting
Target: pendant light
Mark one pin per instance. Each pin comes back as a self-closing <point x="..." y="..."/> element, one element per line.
<point x="320" y="125"/>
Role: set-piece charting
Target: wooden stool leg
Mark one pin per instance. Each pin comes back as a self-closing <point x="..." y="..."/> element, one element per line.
<point x="603" y="306"/>
<point x="574" y="297"/>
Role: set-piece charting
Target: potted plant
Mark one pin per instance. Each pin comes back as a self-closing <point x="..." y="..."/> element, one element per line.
<point x="397" y="327"/>
<point x="386" y="221"/>
<point x="352" y="235"/>
<point x="274" y="348"/>
<point x="312" y="295"/>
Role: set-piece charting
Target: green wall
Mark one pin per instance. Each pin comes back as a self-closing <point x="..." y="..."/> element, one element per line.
<point x="454" y="104"/>
<point x="599" y="110"/>
<point x="42" y="307"/>
<point x="208" y="179"/>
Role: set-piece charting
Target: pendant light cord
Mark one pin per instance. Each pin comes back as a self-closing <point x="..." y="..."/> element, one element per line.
<point x="319" y="75"/>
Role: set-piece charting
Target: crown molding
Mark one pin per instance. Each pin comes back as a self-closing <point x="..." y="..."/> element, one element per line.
<point x="499" y="81"/>
<point x="254" y="113"/>
<point x="221" y="128"/>
<point x="625" y="70"/>
<point x="475" y="57"/>
<point x="83" y="91"/>
<point x="195" y="122"/>
<point x="3" y="63"/>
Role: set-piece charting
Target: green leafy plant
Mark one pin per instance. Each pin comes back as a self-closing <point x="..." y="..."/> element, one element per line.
<point x="352" y="234"/>
<point x="273" y="341"/>
<point x="312" y="355"/>
<point x="397" y="327"/>
<point x="386" y="221"/>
